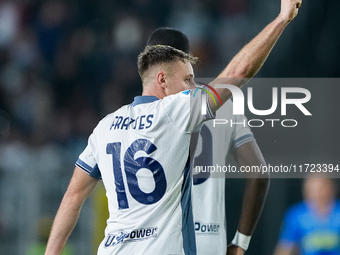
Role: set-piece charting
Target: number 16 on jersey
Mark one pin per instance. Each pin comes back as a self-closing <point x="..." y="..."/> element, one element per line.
<point x="130" y="167"/>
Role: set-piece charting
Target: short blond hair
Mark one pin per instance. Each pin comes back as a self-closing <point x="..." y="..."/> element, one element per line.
<point x="161" y="54"/>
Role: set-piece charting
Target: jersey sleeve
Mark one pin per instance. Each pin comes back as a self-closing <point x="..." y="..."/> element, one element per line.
<point x="188" y="109"/>
<point x="87" y="161"/>
<point x="243" y="134"/>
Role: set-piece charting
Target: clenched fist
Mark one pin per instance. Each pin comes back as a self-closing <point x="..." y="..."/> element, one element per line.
<point x="289" y="9"/>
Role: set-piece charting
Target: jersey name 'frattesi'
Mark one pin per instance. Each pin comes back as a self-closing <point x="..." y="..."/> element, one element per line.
<point x="141" y="122"/>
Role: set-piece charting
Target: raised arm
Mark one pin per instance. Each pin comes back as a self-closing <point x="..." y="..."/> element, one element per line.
<point x="80" y="187"/>
<point x="252" y="56"/>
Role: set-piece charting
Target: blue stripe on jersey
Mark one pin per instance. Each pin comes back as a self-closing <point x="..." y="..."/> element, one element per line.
<point x="188" y="230"/>
<point x="94" y="172"/>
<point x="143" y="100"/>
<point x="242" y="140"/>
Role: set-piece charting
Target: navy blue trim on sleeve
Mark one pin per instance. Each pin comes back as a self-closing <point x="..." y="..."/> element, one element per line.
<point x="242" y="140"/>
<point x="93" y="172"/>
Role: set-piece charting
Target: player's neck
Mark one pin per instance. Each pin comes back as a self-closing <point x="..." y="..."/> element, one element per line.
<point x="156" y="91"/>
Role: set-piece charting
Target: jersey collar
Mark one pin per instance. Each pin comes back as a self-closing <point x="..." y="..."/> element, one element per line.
<point x="143" y="100"/>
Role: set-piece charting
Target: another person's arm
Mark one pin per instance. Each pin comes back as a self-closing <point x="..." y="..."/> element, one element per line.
<point x="80" y="187"/>
<point x="249" y="154"/>
<point x="252" y="56"/>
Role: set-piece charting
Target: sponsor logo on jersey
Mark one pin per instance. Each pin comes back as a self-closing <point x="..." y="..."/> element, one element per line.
<point x="209" y="228"/>
<point x="132" y="236"/>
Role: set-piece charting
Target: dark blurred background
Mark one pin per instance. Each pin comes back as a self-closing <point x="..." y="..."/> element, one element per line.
<point x="66" y="64"/>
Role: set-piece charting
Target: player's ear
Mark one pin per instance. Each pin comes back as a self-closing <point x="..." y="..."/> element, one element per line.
<point x="161" y="79"/>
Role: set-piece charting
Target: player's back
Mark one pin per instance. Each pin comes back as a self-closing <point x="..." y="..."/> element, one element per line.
<point x="139" y="203"/>
<point x="141" y="151"/>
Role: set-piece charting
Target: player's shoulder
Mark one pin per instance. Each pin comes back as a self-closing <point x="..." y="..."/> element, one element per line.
<point x="107" y="120"/>
<point x="182" y="94"/>
<point x="178" y="100"/>
<point x="226" y="111"/>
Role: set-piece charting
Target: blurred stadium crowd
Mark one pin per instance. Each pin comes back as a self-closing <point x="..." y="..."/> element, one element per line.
<point x="63" y="66"/>
<point x="66" y="64"/>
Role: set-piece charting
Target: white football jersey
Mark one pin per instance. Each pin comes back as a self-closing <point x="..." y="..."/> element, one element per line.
<point x="215" y="146"/>
<point x="141" y="153"/>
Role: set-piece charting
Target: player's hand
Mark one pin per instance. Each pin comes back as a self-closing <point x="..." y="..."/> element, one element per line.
<point x="289" y="9"/>
<point x="234" y="250"/>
